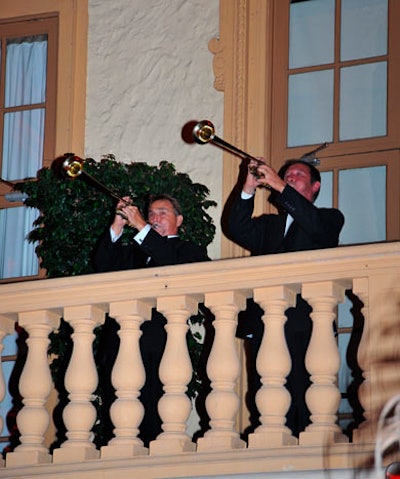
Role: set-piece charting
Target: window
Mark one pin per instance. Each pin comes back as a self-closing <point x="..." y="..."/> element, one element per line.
<point x="27" y="121"/>
<point x="65" y="22"/>
<point x="335" y="75"/>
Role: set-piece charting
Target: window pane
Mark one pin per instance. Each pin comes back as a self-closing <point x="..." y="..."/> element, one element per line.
<point x="17" y="256"/>
<point x="10" y="345"/>
<point x="26" y="61"/>
<point x="325" y="197"/>
<point x="344" y="379"/>
<point x="23" y="144"/>
<point x="362" y="200"/>
<point x="363" y="101"/>
<point x="10" y="348"/>
<point x="310" y="116"/>
<point x="311" y="31"/>
<point x="363" y="29"/>
<point x="7" y="403"/>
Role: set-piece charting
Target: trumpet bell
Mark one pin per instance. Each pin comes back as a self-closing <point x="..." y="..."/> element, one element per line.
<point x="203" y="132"/>
<point x="73" y="166"/>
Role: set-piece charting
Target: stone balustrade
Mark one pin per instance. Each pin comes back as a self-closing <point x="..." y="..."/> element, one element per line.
<point x="371" y="272"/>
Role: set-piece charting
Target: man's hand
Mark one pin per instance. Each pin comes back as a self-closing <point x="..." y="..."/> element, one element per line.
<point x="131" y="216"/>
<point x="266" y="176"/>
<point x="134" y="217"/>
<point x="252" y="182"/>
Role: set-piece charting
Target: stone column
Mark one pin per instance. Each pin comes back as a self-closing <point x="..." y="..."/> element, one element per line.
<point x="323" y="363"/>
<point x="223" y="369"/>
<point x="362" y="433"/>
<point x="35" y="386"/>
<point x="80" y="381"/>
<point x="128" y="378"/>
<point x="7" y="326"/>
<point x="273" y="365"/>
<point x="175" y="374"/>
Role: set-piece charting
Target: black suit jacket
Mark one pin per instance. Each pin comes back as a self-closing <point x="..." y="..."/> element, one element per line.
<point x="109" y="256"/>
<point x="312" y="228"/>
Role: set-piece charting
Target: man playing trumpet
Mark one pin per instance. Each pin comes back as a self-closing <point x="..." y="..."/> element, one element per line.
<point x="150" y="245"/>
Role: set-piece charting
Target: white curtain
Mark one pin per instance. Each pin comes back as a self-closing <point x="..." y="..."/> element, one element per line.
<point x="23" y="135"/>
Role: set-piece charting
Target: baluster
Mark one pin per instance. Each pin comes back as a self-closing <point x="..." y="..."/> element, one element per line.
<point x="363" y="432"/>
<point x="323" y="362"/>
<point x="223" y="368"/>
<point x="128" y="377"/>
<point x="378" y="353"/>
<point x="35" y="386"/>
<point x="6" y="327"/>
<point x="175" y="373"/>
<point x="80" y="381"/>
<point x="273" y="365"/>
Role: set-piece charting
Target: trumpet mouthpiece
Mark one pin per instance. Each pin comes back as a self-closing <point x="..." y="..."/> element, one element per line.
<point x="73" y="165"/>
<point x="203" y="132"/>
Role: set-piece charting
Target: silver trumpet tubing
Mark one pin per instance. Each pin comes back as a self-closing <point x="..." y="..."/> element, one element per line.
<point x="204" y="132"/>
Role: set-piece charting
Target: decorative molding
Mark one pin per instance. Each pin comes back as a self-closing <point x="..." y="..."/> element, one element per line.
<point x="242" y="68"/>
<point x="216" y="47"/>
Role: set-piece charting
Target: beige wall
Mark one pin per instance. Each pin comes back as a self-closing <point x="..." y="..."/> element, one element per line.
<point x="149" y="73"/>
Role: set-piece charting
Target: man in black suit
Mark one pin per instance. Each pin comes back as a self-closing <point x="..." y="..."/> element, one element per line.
<point x="156" y="243"/>
<point x="300" y="226"/>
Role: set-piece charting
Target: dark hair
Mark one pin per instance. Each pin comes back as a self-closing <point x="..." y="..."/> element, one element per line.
<point x="315" y="175"/>
<point x="174" y="202"/>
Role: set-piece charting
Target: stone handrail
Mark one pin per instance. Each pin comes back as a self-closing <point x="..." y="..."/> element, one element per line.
<point x="372" y="272"/>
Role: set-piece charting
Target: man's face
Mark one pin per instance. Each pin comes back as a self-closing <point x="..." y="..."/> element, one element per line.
<point x="163" y="218"/>
<point x="298" y="177"/>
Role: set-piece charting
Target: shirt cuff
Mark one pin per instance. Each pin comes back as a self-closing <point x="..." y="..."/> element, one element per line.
<point x="246" y="196"/>
<point x="139" y="237"/>
<point x="114" y="236"/>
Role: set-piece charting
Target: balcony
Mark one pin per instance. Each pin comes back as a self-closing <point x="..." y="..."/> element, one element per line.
<point x="371" y="272"/>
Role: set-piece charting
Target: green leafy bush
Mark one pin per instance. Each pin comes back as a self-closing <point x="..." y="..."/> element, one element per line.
<point x="75" y="212"/>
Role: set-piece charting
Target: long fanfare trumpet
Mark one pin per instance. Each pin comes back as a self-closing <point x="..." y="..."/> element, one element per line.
<point x="74" y="166"/>
<point x="204" y="132"/>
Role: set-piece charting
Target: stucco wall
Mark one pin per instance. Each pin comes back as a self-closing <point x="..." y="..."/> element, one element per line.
<point x="149" y="73"/>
